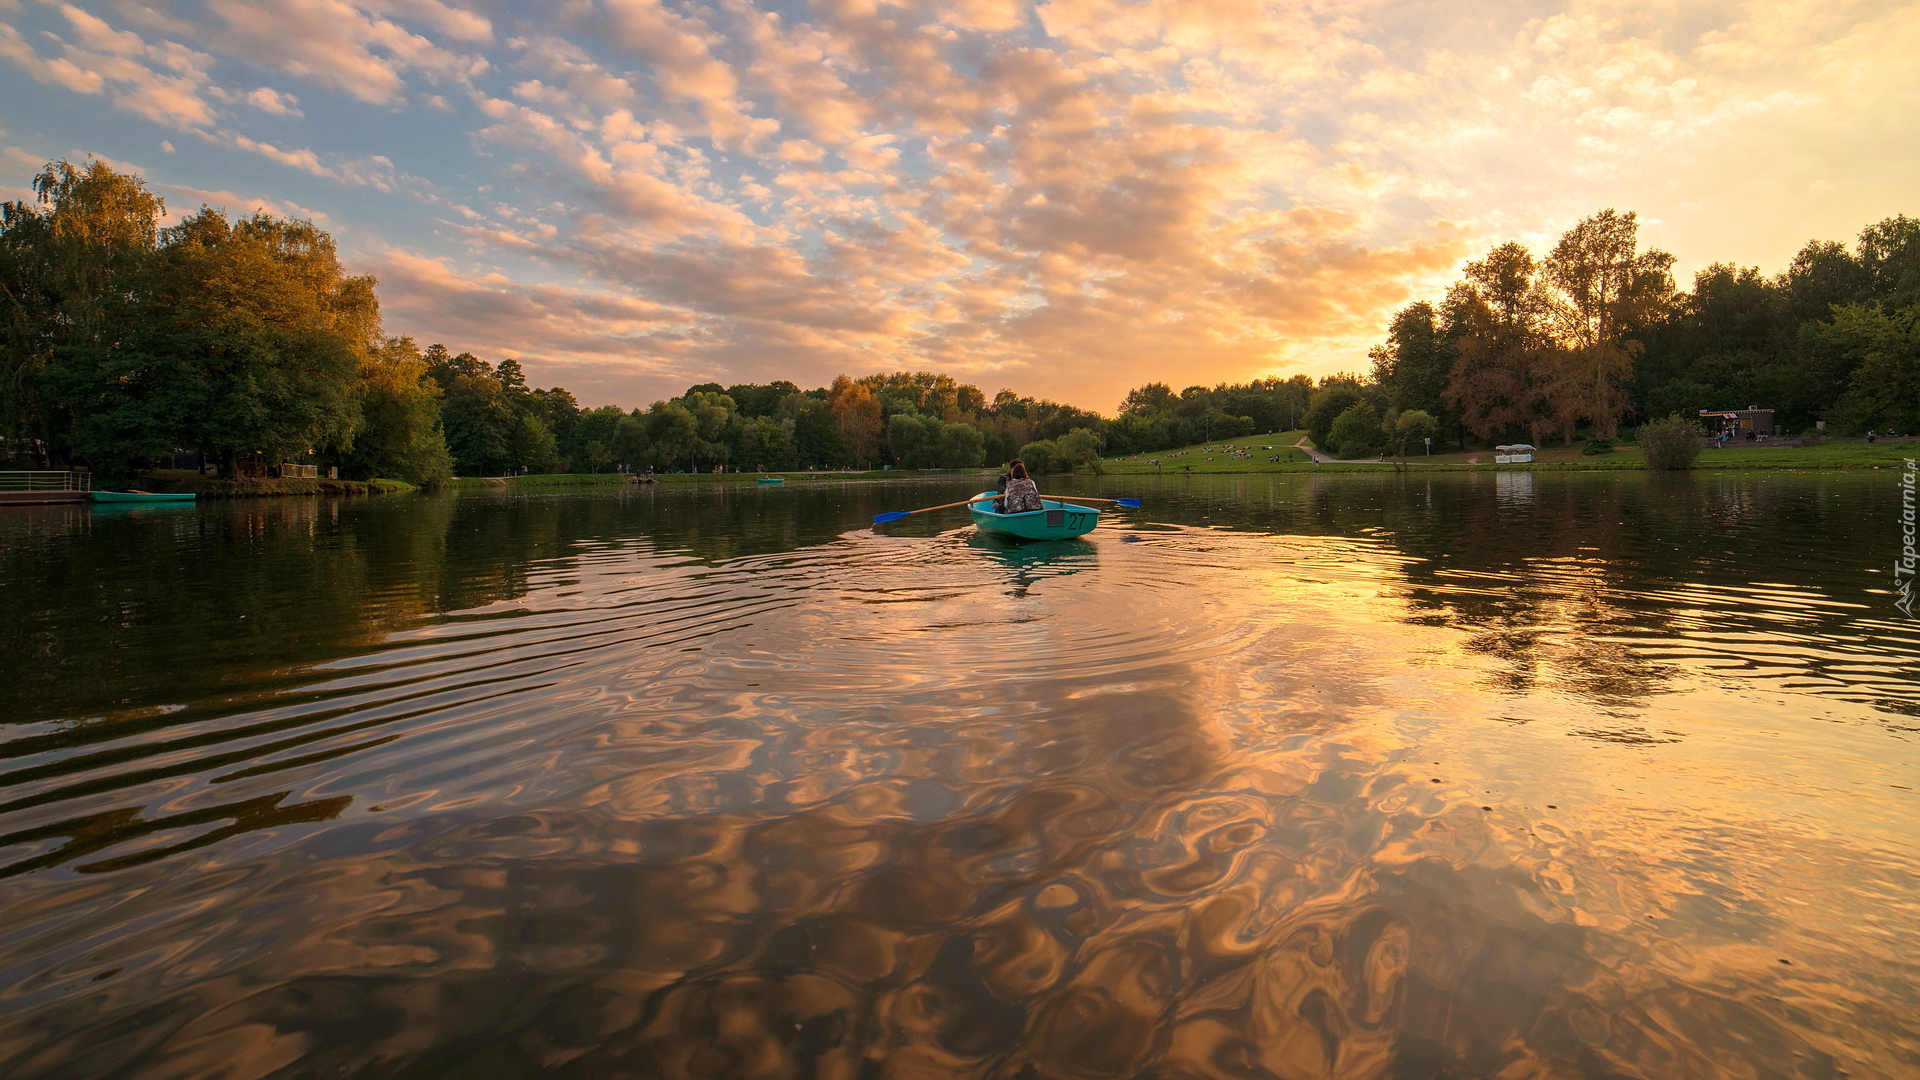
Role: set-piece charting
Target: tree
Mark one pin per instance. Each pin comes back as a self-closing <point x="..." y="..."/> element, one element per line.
<point x="1149" y="401"/>
<point x="1328" y="404"/>
<point x="962" y="446"/>
<point x="1076" y="448"/>
<point x="399" y="430"/>
<point x="1416" y="362"/>
<point x="1041" y="456"/>
<point x="913" y="440"/>
<point x="1496" y="317"/>
<point x="673" y="435"/>
<point x="857" y="415"/>
<point x="1608" y="290"/>
<point x="1413" y="427"/>
<point x="64" y="263"/>
<point x="1671" y="443"/>
<point x="1356" y="431"/>
<point x="242" y="337"/>
<point x="1885" y="390"/>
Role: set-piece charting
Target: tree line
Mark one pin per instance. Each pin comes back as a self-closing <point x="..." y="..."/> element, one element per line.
<point x="1595" y="334"/>
<point x="244" y="339"/>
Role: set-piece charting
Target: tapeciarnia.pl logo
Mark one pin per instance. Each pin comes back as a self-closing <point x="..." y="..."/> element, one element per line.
<point x="1903" y="567"/>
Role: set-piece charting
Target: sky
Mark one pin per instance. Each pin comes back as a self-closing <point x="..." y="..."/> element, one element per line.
<point x="1068" y="198"/>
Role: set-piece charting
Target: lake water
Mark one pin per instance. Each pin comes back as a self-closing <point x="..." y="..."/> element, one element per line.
<point x="1295" y="776"/>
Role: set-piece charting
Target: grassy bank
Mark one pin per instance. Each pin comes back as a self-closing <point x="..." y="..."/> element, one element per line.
<point x="211" y="488"/>
<point x="1219" y="458"/>
<point x="539" y="481"/>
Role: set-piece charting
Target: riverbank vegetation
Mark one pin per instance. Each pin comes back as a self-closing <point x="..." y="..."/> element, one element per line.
<point x="240" y="340"/>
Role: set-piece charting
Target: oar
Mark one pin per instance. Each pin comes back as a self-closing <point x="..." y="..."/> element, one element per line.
<point x="1131" y="504"/>
<point x="896" y="515"/>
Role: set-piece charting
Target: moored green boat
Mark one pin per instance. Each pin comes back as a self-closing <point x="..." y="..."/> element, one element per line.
<point x="1057" y="521"/>
<point x="140" y="497"/>
<point x="770" y="480"/>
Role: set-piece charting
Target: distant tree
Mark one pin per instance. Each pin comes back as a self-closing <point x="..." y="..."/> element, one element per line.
<point x="242" y="337"/>
<point x="673" y="435"/>
<point x="1496" y="317"/>
<point x="961" y="446"/>
<point x="1671" y="443"/>
<point x="1356" y="431"/>
<point x="1412" y="428"/>
<point x="66" y="262"/>
<point x="1885" y="387"/>
<point x="1329" y="402"/>
<point x="1607" y="291"/>
<point x="1077" y="448"/>
<point x="911" y="439"/>
<point x="598" y="456"/>
<point x="1041" y="456"/>
<point x="1416" y="362"/>
<point x="857" y="415"/>
<point x="1149" y="401"/>
<point x="399" y="430"/>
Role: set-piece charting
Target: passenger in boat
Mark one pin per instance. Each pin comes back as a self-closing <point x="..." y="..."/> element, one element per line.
<point x="1021" y="495"/>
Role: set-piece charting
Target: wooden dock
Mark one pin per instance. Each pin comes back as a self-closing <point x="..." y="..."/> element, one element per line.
<point x="43" y="487"/>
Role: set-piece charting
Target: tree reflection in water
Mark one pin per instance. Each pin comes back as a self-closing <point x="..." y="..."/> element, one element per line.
<point x="709" y="784"/>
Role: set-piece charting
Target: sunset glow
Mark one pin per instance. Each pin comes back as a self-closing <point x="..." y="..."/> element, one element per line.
<point x="1069" y="198"/>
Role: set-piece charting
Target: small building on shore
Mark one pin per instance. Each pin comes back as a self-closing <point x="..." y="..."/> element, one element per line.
<point x="1740" y="422"/>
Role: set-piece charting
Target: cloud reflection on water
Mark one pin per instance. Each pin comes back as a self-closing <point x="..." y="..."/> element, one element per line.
<point x="907" y="807"/>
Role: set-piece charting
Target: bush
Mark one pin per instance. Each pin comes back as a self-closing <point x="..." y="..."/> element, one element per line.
<point x="1672" y="443"/>
<point x="1597" y="446"/>
<point x="1357" y="431"/>
<point x="1042" y="457"/>
<point x="1076" y="448"/>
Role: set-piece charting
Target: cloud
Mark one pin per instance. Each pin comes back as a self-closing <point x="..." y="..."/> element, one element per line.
<point x="1067" y="196"/>
<point x="161" y="82"/>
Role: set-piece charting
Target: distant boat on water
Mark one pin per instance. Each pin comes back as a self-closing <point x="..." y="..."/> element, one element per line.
<point x="770" y="480"/>
<point x="141" y="497"/>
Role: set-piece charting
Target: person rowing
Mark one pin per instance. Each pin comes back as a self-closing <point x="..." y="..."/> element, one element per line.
<point x="1021" y="493"/>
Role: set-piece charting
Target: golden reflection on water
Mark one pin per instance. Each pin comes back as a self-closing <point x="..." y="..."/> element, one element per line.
<point x="1175" y="801"/>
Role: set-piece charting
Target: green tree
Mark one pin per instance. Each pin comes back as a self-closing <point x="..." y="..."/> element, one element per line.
<point x="242" y="337"/>
<point x="1079" y="447"/>
<point x="1356" y="431"/>
<point x="962" y="446"/>
<point x="1041" y="456"/>
<point x="1416" y="362"/>
<point x="1885" y="388"/>
<point x="398" y="434"/>
<point x="913" y="440"/>
<point x="1672" y="443"/>
<point x="1412" y="428"/>
<point x="1329" y="402"/>
<point x="67" y="261"/>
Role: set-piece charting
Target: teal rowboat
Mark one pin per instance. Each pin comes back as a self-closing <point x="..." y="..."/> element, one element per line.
<point x="139" y="497"/>
<point x="1058" y="521"/>
<point x="771" y="480"/>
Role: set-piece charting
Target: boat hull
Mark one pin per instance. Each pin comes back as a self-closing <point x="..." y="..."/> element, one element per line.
<point x="140" y="497"/>
<point x="1058" y="521"/>
<point x="771" y="480"/>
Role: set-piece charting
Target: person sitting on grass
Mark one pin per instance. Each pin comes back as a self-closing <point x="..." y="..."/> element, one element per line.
<point x="1022" y="495"/>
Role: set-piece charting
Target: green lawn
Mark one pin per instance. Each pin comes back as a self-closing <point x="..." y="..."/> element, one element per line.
<point x="1215" y="457"/>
